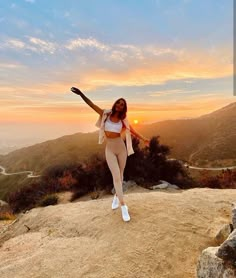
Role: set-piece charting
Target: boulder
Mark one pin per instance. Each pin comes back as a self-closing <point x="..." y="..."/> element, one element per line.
<point x="173" y="186"/>
<point x="166" y="182"/>
<point x="234" y="215"/>
<point x="223" y="233"/>
<point x="227" y="250"/>
<point x="160" y="186"/>
<point x="211" y="266"/>
<point x="3" y="203"/>
<point x="164" y="185"/>
<point x="126" y="185"/>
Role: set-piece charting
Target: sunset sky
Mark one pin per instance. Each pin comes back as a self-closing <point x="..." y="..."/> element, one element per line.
<point x="168" y="58"/>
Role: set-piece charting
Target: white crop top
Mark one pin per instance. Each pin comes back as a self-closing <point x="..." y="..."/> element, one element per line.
<point x="111" y="126"/>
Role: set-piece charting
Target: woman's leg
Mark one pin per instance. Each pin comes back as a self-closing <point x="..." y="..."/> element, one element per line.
<point x="122" y="157"/>
<point x="113" y="164"/>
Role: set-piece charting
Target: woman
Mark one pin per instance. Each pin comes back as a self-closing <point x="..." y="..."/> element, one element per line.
<point x="111" y="123"/>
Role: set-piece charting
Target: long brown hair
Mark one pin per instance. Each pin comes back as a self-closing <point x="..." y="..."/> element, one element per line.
<point x="122" y="114"/>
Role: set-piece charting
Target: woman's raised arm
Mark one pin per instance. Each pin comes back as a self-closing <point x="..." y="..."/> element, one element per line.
<point x="135" y="133"/>
<point x="87" y="100"/>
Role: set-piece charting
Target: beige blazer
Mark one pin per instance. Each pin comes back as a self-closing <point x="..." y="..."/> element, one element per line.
<point x="100" y="124"/>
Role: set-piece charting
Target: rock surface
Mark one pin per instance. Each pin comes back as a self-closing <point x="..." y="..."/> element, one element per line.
<point x="165" y="237"/>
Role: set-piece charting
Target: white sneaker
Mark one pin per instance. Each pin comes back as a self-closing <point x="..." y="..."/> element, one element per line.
<point x="115" y="202"/>
<point x="125" y="213"/>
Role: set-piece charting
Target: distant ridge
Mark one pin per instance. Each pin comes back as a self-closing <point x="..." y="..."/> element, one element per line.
<point x="209" y="137"/>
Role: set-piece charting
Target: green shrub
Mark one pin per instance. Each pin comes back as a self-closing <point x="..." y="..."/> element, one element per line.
<point x="151" y="165"/>
<point x="48" y="200"/>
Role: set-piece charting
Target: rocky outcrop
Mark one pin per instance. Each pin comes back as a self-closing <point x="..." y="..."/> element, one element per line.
<point x="220" y="262"/>
<point x="223" y="233"/>
<point x="86" y="238"/>
<point x="211" y="266"/>
<point x="126" y="186"/>
<point x="164" y="185"/>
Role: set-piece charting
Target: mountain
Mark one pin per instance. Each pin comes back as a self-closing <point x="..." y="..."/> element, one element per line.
<point x="167" y="233"/>
<point x="224" y="112"/>
<point x="69" y="148"/>
<point x="207" y="138"/>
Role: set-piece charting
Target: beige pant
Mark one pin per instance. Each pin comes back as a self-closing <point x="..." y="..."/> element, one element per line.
<point x="116" y="156"/>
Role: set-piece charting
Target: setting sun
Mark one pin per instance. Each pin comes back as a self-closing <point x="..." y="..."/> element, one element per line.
<point x="135" y="121"/>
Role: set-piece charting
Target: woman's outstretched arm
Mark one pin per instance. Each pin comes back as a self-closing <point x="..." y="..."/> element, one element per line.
<point x="135" y="133"/>
<point x="87" y="100"/>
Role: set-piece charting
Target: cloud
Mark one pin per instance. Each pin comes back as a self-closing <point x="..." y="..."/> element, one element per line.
<point x="123" y="64"/>
<point x="130" y="65"/>
<point x="118" y="56"/>
<point x="33" y="44"/>
<point x="131" y="50"/>
<point x="171" y="92"/>
<point x="153" y="71"/>
<point x="10" y="66"/>
<point x="30" y="1"/>
<point x="188" y="81"/>
<point x="207" y="95"/>
<point x="82" y="43"/>
<point x="14" y="43"/>
<point x="42" y="45"/>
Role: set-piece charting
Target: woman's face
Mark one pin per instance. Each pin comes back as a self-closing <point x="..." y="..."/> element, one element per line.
<point x="120" y="105"/>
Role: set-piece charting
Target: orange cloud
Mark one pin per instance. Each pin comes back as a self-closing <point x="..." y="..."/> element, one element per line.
<point x="188" y="63"/>
<point x="141" y="66"/>
<point x="82" y="115"/>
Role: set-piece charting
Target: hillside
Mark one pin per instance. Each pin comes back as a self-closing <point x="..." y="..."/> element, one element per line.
<point x="209" y="137"/>
<point x="69" y="148"/>
<point x="167" y="233"/>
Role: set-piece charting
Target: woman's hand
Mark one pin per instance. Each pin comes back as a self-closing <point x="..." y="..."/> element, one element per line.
<point x="146" y="142"/>
<point x="76" y="91"/>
